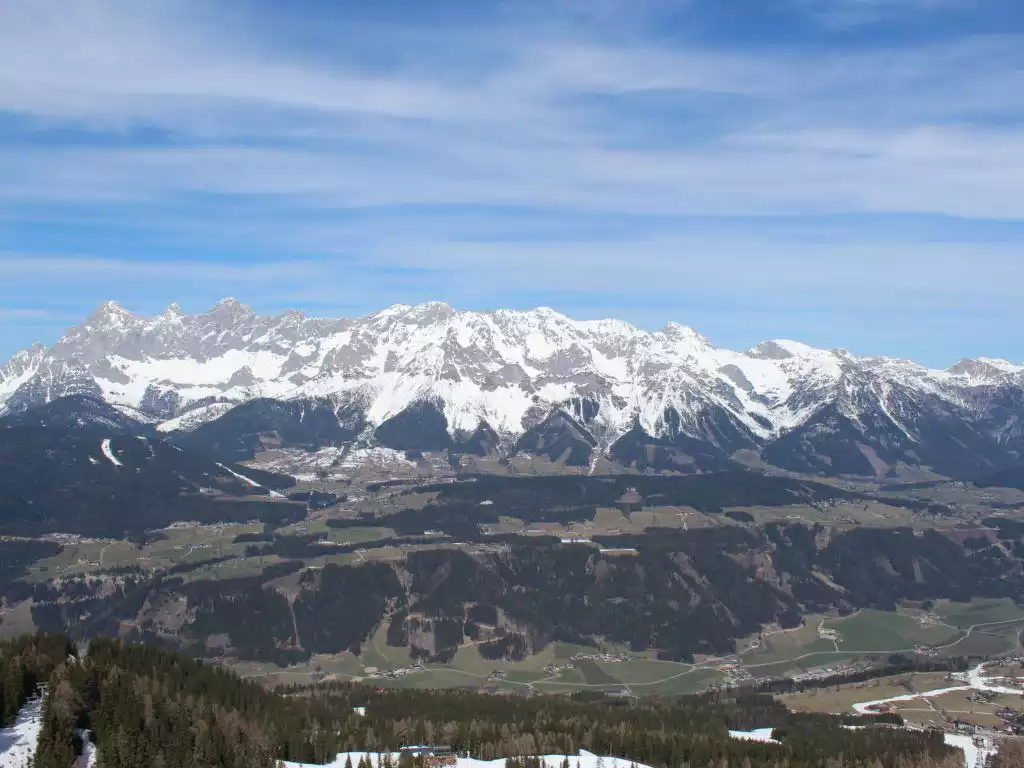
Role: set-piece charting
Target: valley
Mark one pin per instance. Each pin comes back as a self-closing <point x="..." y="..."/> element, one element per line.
<point x="526" y="578"/>
<point x="385" y="532"/>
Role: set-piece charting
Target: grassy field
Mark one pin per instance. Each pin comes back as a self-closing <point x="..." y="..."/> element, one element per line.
<point x="870" y="513"/>
<point x="596" y="674"/>
<point x="788" y="644"/>
<point x="567" y="650"/>
<point x="344" y="666"/>
<point x="841" y="698"/>
<point x="180" y="545"/>
<point x="980" y="644"/>
<point x="964" y="615"/>
<point x="377" y="653"/>
<point x="338" y="535"/>
<point x="644" y="672"/>
<point x="469" y="669"/>
<point x="193" y="545"/>
<point x="882" y="631"/>
<point x="809" y="662"/>
<point x="18" y="621"/>
<point x="232" y="569"/>
<point x="866" y="632"/>
<point x="680" y="684"/>
<point x="934" y="710"/>
<point x="435" y="677"/>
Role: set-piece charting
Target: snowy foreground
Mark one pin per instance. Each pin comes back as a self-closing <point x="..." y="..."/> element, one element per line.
<point x="973" y="754"/>
<point x="974" y="680"/>
<point x="583" y="760"/>
<point x="18" y="743"/>
<point x="764" y="735"/>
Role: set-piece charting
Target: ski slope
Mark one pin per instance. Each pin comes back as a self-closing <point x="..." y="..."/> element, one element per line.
<point x="18" y="743"/>
<point x="583" y="760"/>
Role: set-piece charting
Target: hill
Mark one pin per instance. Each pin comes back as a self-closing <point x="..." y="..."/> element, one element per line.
<point x="139" y="706"/>
<point x="104" y="478"/>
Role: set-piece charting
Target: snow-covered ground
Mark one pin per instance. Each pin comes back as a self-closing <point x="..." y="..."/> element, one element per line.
<point x="974" y="679"/>
<point x="583" y="760"/>
<point x="867" y="707"/>
<point x="88" y="756"/>
<point x="974" y="757"/>
<point x="344" y="463"/>
<point x="18" y="743"/>
<point x="763" y="735"/>
<point x="105" y="447"/>
<point x="481" y="366"/>
<point x="249" y="480"/>
<point x="195" y="417"/>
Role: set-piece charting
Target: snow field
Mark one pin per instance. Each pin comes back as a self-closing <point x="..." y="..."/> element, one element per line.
<point x="583" y="760"/>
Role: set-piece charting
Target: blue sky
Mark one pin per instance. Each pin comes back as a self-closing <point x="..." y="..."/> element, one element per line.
<point x="849" y="173"/>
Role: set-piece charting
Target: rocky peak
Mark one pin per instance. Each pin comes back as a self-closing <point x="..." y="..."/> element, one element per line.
<point x="173" y="312"/>
<point x="983" y="368"/>
<point x="510" y="369"/>
<point x="228" y="312"/>
<point x="111" y="315"/>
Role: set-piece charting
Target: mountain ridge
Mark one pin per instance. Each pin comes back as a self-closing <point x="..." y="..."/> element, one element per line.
<point x="832" y="412"/>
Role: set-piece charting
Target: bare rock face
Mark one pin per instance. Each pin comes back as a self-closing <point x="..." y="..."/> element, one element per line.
<point x="541" y="381"/>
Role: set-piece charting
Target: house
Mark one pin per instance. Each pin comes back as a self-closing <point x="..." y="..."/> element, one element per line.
<point x="964" y="726"/>
<point x="434" y="756"/>
<point x="617" y="692"/>
<point x="424" y="749"/>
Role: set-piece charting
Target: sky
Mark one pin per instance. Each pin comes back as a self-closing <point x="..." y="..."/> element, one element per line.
<point x="847" y="173"/>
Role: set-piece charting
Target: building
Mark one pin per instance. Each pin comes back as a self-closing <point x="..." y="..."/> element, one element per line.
<point x="964" y="726"/>
<point x="420" y="750"/>
<point x="430" y="756"/>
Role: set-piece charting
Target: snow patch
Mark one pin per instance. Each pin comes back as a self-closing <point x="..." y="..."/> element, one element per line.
<point x="974" y="756"/>
<point x="764" y="735"/>
<point x="18" y="743"/>
<point x="249" y="480"/>
<point x="499" y="367"/>
<point x="583" y="760"/>
<point x="195" y="418"/>
<point x="88" y="757"/>
<point x="105" y="447"/>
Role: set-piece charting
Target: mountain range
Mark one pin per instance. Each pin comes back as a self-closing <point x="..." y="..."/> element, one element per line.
<point x="428" y="377"/>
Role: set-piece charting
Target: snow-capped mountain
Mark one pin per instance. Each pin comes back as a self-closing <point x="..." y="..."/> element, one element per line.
<point x="428" y="376"/>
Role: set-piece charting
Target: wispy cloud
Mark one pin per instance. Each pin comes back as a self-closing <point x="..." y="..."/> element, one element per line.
<point x="23" y="313"/>
<point x="184" y="147"/>
<point x="855" y="13"/>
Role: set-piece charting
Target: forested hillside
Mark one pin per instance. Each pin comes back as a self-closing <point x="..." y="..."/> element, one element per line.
<point x="144" y="707"/>
<point x="679" y="592"/>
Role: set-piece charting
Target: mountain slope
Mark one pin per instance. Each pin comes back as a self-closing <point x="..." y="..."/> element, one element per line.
<point x="79" y="412"/>
<point x="246" y="429"/>
<point x="805" y="409"/>
<point x="97" y="483"/>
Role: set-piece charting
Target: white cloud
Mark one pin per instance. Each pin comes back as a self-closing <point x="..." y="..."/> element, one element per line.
<point x="969" y="172"/>
<point x="796" y="133"/>
<point x="84" y="267"/>
<point x="188" y="122"/>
